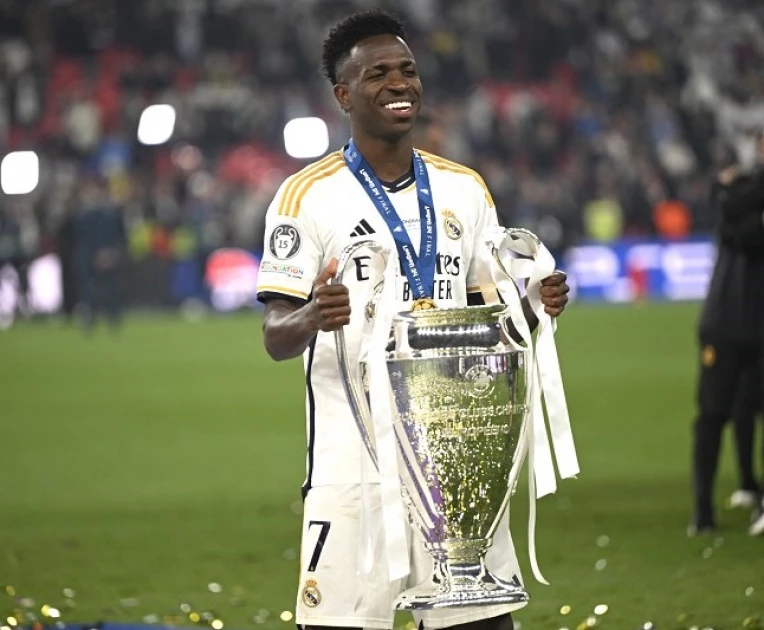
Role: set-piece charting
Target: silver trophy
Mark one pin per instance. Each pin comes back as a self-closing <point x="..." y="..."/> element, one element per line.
<point x="459" y="388"/>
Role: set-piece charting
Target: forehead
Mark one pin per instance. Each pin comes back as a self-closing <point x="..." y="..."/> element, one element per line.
<point x="387" y="49"/>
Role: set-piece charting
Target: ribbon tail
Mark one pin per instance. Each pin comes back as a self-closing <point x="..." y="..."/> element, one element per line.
<point x="556" y="404"/>
<point x="532" y="520"/>
<point x="394" y="519"/>
<point x="543" y="466"/>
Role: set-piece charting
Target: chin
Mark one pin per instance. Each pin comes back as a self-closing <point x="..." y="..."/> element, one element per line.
<point x="393" y="133"/>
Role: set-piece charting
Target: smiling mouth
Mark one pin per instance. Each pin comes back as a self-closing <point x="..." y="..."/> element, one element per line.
<point x="400" y="108"/>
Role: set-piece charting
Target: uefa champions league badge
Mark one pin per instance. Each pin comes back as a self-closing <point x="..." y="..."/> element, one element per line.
<point x="311" y="596"/>
<point x="285" y="241"/>
<point x="452" y="225"/>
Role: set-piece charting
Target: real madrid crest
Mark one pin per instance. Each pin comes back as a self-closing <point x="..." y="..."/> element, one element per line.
<point x="311" y="596"/>
<point x="708" y="356"/>
<point x="451" y="225"/>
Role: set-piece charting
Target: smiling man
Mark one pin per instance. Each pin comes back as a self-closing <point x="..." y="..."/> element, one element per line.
<point x="377" y="187"/>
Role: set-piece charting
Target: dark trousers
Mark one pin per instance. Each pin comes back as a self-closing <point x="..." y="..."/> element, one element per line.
<point x="99" y="292"/>
<point x="730" y="386"/>
<point x="69" y="288"/>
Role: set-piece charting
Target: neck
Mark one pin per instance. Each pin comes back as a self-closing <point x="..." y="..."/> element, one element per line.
<point x="390" y="159"/>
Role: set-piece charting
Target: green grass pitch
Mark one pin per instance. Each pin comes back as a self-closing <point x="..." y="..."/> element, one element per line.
<point x="138" y="468"/>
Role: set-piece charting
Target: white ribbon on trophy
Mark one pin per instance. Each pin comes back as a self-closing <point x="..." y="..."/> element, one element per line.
<point x="395" y="522"/>
<point x="371" y="350"/>
<point x="545" y="378"/>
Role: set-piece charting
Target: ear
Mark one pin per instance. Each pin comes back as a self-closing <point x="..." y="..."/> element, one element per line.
<point x="342" y="94"/>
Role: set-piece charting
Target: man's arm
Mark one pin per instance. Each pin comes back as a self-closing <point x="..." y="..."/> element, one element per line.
<point x="288" y="328"/>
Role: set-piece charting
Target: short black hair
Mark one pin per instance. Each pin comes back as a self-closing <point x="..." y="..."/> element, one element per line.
<point x="352" y="30"/>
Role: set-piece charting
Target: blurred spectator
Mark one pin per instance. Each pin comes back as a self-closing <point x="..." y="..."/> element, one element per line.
<point x="67" y="253"/>
<point x="590" y="119"/>
<point x="99" y="248"/>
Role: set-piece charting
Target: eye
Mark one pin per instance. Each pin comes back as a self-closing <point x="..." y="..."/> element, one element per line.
<point x="409" y="73"/>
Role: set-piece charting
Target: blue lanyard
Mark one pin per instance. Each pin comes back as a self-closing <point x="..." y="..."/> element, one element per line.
<point x="419" y="269"/>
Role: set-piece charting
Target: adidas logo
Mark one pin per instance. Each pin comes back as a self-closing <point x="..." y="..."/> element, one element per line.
<point x="362" y="229"/>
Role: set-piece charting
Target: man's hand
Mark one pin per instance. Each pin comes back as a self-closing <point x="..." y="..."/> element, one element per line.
<point x="330" y="306"/>
<point x="554" y="293"/>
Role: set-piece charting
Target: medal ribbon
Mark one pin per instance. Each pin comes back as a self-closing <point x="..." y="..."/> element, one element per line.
<point x="419" y="267"/>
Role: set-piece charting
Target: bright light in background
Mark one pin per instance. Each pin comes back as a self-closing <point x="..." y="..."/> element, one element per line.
<point x="46" y="291"/>
<point x="19" y="172"/>
<point x="156" y="124"/>
<point x="306" y="137"/>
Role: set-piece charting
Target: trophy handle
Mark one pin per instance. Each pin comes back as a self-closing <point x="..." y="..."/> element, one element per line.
<point x="359" y="404"/>
<point x="513" y="310"/>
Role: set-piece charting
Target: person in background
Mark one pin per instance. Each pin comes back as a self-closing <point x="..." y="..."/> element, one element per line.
<point x="100" y="242"/>
<point x="66" y="249"/>
<point x="731" y="330"/>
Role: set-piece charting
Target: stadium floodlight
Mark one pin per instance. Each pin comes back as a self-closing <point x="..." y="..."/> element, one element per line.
<point x="306" y="137"/>
<point x="156" y="125"/>
<point x="19" y="172"/>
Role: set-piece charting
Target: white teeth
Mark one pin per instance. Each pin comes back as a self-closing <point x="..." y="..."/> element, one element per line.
<point x="399" y="105"/>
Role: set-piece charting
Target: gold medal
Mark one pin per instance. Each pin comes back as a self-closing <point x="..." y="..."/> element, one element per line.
<point x="423" y="304"/>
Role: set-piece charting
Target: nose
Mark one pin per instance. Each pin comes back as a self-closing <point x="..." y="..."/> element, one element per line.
<point x="396" y="82"/>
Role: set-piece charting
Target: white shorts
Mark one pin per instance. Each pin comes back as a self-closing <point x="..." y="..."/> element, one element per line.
<point x="334" y="591"/>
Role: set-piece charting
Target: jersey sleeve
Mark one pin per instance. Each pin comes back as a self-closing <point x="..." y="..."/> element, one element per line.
<point x="291" y="251"/>
<point x="477" y="273"/>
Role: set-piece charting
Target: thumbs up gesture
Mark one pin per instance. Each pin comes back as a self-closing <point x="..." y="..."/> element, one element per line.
<point x="330" y="305"/>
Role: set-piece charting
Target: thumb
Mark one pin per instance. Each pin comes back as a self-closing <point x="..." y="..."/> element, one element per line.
<point x="327" y="274"/>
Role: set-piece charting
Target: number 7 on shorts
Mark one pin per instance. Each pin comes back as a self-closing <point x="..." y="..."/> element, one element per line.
<point x="325" y="525"/>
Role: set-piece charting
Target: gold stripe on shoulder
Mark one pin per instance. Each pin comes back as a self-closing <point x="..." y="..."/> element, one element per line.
<point x="450" y="163"/>
<point x="298" y="178"/>
<point x="455" y="167"/>
<point x="305" y="187"/>
<point x="293" y="179"/>
<point x="452" y="166"/>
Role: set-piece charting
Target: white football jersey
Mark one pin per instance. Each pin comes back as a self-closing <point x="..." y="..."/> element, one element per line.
<point x="313" y="217"/>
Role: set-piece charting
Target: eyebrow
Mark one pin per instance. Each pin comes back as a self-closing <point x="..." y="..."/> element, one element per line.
<point x="383" y="67"/>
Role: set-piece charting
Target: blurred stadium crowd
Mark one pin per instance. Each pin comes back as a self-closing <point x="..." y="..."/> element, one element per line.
<point x="589" y="119"/>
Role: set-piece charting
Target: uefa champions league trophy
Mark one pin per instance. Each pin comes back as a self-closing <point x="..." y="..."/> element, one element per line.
<point x="460" y="419"/>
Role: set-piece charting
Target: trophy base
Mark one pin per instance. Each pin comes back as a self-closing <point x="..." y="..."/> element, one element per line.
<point x="469" y="588"/>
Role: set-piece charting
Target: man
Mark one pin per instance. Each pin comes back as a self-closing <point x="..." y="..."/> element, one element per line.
<point x="731" y="330"/>
<point x="373" y="189"/>
<point x="100" y="243"/>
